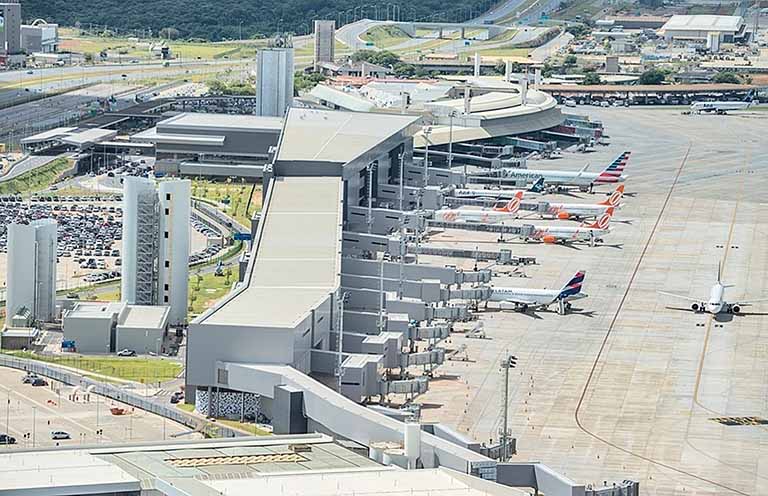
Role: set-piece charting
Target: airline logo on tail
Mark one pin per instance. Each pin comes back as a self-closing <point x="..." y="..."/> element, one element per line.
<point x="574" y="285"/>
<point x="512" y="206"/>
<point x="538" y="186"/>
<point x="615" y="169"/>
<point x="615" y="198"/>
<point x="603" y="221"/>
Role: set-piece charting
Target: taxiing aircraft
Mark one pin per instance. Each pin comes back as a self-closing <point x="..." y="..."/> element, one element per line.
<point x="591" y="233"/>
<point x="722" y="107"/>
<point x="716" y="303"/>
<point x="525" y="298"/>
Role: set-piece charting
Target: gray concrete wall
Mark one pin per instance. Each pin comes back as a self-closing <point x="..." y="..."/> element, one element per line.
<point x="140" y="340"/>
<point x="91" y="335"/>
<point x="234" y="343"/>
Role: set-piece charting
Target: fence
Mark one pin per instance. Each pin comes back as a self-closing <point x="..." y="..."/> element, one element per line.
<point x="121" y="394"/>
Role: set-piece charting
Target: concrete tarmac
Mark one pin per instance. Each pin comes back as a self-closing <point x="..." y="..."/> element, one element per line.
<point x="630" y="385"/>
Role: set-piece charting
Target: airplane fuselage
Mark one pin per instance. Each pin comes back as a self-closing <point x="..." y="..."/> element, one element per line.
<point x="485" y="216"/>
<point x="566" y="234"/>
<point x="576" y="210"/>
<point x="563" y="178"/>
<point x="719" y="106"/>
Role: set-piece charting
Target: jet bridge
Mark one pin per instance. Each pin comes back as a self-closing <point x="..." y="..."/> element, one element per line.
<point x="524" y="231"/>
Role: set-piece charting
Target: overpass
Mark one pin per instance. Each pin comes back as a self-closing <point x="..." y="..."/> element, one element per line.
<point x="411" y="28"/>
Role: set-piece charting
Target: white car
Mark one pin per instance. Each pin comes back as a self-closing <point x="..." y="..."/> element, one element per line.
<point x="570" y="103"/>
<point x="57" y="435"/>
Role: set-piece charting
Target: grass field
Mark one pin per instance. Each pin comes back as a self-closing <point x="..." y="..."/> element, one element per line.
<point x="231" y="198"/>
<point x="385" y="36"/>
<point x="504" y="52"/>
<point x="136" y="369"/>
<point x="206" y="289"/>
<point x="36" y="180"/>
<point x="124" y="47"/>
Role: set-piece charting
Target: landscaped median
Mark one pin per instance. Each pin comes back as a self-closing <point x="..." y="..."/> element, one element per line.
<point x="36" y="179"/>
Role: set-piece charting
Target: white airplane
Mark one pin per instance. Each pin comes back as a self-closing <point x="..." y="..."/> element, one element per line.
<point x="582" y="179"/>
<point x="591" y="233"/>
<point x="721" y="108"/>
<point x="502" y="211"/>
<point x="525" y="298"/>
<point x="716" y="303"/>
<point x="581" y="211"/>
<point x="497" y="194"/>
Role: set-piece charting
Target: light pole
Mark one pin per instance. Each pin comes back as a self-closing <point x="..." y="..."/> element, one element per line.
<point x="507" y="363"/>
<point x="34" y="418"/>
<point x="451" y="115"/>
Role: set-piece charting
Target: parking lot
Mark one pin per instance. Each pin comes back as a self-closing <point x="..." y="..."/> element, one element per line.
<point x="89" y="235"/>
<point x="31" y="413"/>
<point x="631" y="385"/>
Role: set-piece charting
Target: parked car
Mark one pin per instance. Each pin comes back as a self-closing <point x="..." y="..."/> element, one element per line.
<point x="57" y="435"/>
<point x="126" y="353"/>
<point x="6" y="439"/>
<point x="28" y="379"/>
<point x="176" y="397"/>
<point x="39" y="381"/>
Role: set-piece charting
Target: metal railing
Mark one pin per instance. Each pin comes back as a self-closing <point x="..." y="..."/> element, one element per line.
<point x="126" y="396"/>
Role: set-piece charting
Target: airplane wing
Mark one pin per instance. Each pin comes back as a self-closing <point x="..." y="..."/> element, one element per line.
<point x="750" y="302"/>
<point x="521" y="301"/>
<point x="697" y="300"/>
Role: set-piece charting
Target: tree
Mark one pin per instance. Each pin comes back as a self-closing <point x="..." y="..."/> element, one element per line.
<point x="652" y="76"/>
<point x="578" y="30"/>
<point x="383" y="58"/>
<point x="403" y="70"/>
<point x="570" y="61"/>
<point x="305" y="82"/>
<point x="726" y="77"/>
<point x="591" y="77"/>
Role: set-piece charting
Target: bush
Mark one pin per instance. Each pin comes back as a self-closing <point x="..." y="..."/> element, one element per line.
<point x="652" y="76"/>
<point x="726" y="77"/>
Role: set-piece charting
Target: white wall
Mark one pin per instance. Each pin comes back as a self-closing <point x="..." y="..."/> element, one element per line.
<point x="173" y="279"/>
<point x="132" y="188"/>
<point x="31" y="271"/>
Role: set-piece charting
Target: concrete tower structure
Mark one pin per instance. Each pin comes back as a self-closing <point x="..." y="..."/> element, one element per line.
<point x="11" y="28"/>
<point x="173" y="261"/>
<point x="325" y="35"/>
<point x="274" y="81"/>
<point x="31" y="276"/>
<point x="155" y="267"/>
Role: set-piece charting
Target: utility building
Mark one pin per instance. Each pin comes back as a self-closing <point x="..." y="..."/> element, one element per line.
<point x="156" y="244"/>
<point x="325" y="39"/>
<point x="31" y="275"/>
<point x="274" y="81"/>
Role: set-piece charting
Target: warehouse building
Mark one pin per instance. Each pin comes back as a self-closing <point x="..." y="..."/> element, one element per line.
<point x="31" y="270"/>
<point x="218" y="145"/>
<point x="698" y="28"/>
<point x="108" y="327"/>
<point x="40" y="37"/>
<point x="155" y="267"/>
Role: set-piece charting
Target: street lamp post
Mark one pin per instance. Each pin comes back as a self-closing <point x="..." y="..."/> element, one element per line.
<point x="34" y="419"/>
<point x="450" y="144"/>
<point x="507" y="363"/>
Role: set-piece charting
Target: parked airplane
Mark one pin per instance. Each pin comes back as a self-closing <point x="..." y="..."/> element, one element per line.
<point x="585" y="210"/>
<point x="582" y="179"/>
<point x="592" y="233"/>
<point x="716" y="303"/>
<point x="498" y="194"/>
<point x="502" y="211"/>
<point x="525" y="298"/>
<point x="721" y="108"/>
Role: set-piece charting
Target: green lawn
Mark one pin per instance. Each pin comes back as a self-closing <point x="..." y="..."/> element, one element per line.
<point x="144" y="370"/>
<point x="385" y="36"/>
<point x="230" y="197"/>
<point x="124" y="47"/>
<point x="505" y="52"/>
<point x="36" y="180"/>
<point x="206" y="289"/>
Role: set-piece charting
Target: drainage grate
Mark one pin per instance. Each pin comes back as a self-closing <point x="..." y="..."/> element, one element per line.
<point x="740" y="420"/>
<point x="235" y="460"/>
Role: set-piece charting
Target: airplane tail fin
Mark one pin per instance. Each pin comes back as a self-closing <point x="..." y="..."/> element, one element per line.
<point x="615" y="198"/>
<point x="573" y="286"/>
<point x="512" y="206"/>
<point x="616" y="168"/>
<point x="603" y="221"/>
<point x="538" y="186"/>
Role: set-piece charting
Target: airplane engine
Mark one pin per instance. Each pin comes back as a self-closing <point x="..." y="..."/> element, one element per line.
<point x="563" y="215"/>
<point x="549" y="239"/>
<point x="735" y="309"/>
<point x="695" y="307"/>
